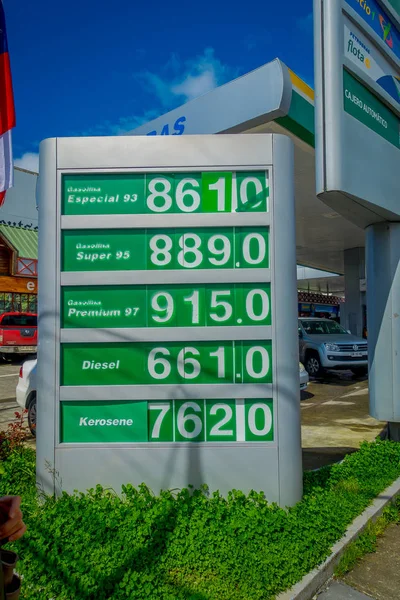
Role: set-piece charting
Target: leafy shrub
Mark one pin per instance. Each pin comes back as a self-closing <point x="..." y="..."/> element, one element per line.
<point x="14" y="436"/>
<point x="190" y="545"/>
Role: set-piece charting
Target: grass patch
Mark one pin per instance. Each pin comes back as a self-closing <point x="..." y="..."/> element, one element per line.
<point x="367" y="542"/>
<point x="187" y="545"/>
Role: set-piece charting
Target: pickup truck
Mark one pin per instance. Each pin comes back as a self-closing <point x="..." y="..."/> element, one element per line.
<point x="18" y="334"/>
<point x="325" y="345"/>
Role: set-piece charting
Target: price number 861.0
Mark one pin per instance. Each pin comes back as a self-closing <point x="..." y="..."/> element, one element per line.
<point x="211" y="193"/>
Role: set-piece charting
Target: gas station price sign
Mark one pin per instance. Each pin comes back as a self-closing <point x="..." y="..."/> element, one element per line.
<point x="149" y="249"/>
<point x="203" y="305"/>
<point x="168" y="362"/>
<point x="159" y="193"/>
<point x="168" y="326"/>
<point x="168" y="421"/>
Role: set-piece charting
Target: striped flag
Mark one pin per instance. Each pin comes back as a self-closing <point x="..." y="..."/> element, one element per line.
<point x="7" y="112"/>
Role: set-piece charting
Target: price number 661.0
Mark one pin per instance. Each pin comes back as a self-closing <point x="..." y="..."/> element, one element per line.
<point x="190" y="361"/>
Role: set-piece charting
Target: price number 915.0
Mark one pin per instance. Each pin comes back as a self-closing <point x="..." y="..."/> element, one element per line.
<point x="244" y="305"/>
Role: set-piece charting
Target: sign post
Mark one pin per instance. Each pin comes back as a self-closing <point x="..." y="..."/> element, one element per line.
<point x="357" y="80"/>
<point x="167" y="314"/>
<point x="357" y="106"/>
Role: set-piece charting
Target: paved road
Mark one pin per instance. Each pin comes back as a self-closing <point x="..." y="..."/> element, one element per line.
<point x="335" y="419"/>
<point x="341" y="591"/>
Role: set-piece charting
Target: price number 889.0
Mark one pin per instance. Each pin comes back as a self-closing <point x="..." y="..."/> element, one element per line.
<point x="209" y="250"/>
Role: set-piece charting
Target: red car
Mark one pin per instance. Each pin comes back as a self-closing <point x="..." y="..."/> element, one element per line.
<point x="18" y="334"/>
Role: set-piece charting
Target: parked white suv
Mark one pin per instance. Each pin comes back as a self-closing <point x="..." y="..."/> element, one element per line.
<point x="326" y="345"/>
<point x="26" y="391"/>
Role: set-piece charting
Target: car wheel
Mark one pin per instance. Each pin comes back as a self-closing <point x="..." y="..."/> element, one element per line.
<point x="32" y="415"/>
<point x="360" y="371"/>
<point x="313" y="365"/>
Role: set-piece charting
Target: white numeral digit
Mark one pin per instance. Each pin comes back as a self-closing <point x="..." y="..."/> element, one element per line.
<point x="184" y="361"/>
<point x="219" y="186"/>
<point x="224" y="251"/>
<point x="129" y="311"/>
<point x="215" y="303"/>
<point x="163" y="193"/>
<point x="220" y="356"/>
<point x="161" y="245"/>
<point x="262" y="248"/>
<point x="216" y="430"/>
<point x="183" y="419"/>
<point x="264" y="305"/>
<point x="181" y="194"/>
<point x="267" y="419"/>
<point x="251" y="353"/>
<point x="164" y="409"/>
<point x="165" y="306"/>
<point x="194" y="300"/>
<point x="130" y="197"/>
<point x="191" y="249"/>
<point x="244" y="190"/>
<point x="153" y="362"/>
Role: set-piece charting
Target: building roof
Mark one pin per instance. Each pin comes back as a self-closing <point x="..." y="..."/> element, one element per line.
<point x="25" y="241"/>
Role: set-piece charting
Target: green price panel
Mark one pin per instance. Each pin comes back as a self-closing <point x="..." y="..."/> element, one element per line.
<point x="152" y="193"/>
<point x="166" y="363"/>
<point x="167" y="421"/>
<point x="207" y="305"/>
<point x="203" y="248"/>
<point x="104" y="422"/>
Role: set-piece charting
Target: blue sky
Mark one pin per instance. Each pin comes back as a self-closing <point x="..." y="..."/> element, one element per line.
<point x="101" y="68"/>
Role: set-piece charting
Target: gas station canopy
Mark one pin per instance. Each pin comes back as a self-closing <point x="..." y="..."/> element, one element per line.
<point x="272" y="99"/>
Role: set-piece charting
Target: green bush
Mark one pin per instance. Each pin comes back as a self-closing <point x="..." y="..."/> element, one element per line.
<point x="187" y="545"/>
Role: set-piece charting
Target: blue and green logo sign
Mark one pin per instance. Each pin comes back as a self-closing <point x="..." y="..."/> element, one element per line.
<point x="373" y="63"/>
<point x="372" y="13"/>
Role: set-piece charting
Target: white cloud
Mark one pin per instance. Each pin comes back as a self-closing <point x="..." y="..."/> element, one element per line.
<point x="28" y="161"/>
<point x="185" y="80"/>
<point x="195" y="85"/>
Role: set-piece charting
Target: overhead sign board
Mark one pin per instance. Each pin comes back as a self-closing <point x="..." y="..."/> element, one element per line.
<point x="373" y="63"/>
<point x="357" y="105"/>
<point x="373" y="15"/>
<point x="168" y="347"/>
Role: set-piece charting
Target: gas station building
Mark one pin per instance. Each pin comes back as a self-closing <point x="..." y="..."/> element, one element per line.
<point x="273" y="99"/>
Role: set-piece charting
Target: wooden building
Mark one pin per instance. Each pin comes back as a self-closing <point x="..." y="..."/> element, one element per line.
<point x="18" y="269"/>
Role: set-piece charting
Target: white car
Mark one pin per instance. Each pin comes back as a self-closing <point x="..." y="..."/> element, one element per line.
<point x="304" y="377"/>
<point x="26" y="391"/>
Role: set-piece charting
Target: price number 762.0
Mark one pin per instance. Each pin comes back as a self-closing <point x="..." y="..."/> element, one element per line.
<point x="210" y="421"/>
